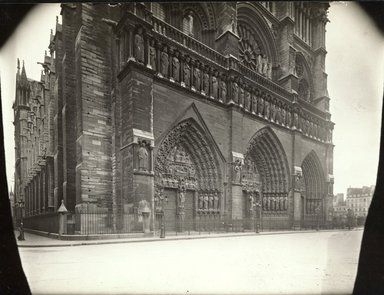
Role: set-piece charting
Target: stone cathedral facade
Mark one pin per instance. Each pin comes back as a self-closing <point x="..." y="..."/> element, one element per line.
<point x="211" y="104"/>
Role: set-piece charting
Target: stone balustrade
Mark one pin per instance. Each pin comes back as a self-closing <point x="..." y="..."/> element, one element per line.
<point x="178" y="58"/>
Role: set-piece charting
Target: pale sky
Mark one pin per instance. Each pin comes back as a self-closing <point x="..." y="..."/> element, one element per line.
<point x="354" y="64"/>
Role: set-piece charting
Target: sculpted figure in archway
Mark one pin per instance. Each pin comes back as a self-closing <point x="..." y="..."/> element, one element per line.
<point x="223" y="91"/>
<point x="152" y="54"/>
<point x="237" y="171"/>
<point x="235" y="92"/>
<point x="164" y="62"/>
<point x="201" y="201"/>
<point x="139" y="45"/>
<point x="241" y="97"/>
<point x="143" y="157"/>
<point x="206" y="82"/>
<point x="176" y="67"/>
<point x="206" y="201"/>
<point x="187" y="73"/>
<point x="210" y="201"/>
<point x="197" y="78"/>
<point x="216" y="202"/>
<point x="214" y="86"/>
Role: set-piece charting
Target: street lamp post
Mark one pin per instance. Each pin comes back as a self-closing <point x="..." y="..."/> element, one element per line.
<point x="159" y="201"/>
<point x="21" y="229"/>
<point x="317" y="211"/>
<point x="257" y="209"/>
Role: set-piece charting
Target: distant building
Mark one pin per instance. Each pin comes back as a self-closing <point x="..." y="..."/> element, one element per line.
<point x="337" y="199"/>
<point x="359" y="200"/>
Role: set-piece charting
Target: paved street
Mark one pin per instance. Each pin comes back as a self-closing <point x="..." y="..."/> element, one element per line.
<point x="309" y="263"/>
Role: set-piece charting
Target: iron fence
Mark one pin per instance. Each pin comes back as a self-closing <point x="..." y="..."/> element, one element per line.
<point x="96" y="223"/>
<point x="91" y="223"/>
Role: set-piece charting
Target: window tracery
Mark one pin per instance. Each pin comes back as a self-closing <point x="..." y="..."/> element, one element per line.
<point x="251" y="52"/>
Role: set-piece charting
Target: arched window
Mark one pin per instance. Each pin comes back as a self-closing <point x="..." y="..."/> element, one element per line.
<point x="303" y="73"/>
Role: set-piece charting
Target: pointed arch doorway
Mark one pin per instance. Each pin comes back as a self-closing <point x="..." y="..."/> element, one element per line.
<point x="314" y="192"/>
<point x="265" y="178"/>
<point x="187" y="172"/>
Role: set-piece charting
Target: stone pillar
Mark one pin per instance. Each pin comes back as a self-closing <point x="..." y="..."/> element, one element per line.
<point x="137" y="140"/>
<point x="227" y="39"/>
<point x="285" y="48"/>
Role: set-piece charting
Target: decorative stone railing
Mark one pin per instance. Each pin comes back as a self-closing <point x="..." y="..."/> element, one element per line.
<point x="187" y="41"/>
<point x="180" y="59"/>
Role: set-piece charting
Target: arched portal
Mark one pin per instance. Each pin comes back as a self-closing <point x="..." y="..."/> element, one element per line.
<point x="266" y="161"/>
<point x="187" y="171"/>
<point x="314" y="187"/>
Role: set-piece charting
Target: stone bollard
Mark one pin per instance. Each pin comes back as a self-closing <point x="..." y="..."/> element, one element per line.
<point x="62" y="218"/>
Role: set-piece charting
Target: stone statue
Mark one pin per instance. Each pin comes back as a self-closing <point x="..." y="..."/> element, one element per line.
<point x="201" y="201"/>
<point x="206" y="82"/>
<point x="139" y="45"/>
<point x="164" y="62"/>
<point x="237" y="170"/>
<point x="269" y="71"/>
<point x="187" y="73"/>
<point x="259" y="64"/>
<point x="283" y="113"/>
<point x="197" y="78"/>
<point x="295" y="120"/>
<point x="261" y="106"/>
<point x="143" y="157"/>
<point x="152" y="55"/>
<point x="182" y="198"/>
<point x="210" y="202"/>
<point x="176" y="67"/>
<point x="189" y="20"/>
<point x="289" y="118"/>
<point x="278" y="114"/>
<point x="223" y="87"/>
<point x="254" y="103"/>
<point x="241" y="97"/>
<point x="235" y="92"/>
<point x="205" y="201"/>
<point x="214" y="87"/>
<point x="216" y="204"/>
<point x="267" y="110"/>
<point x="265" y="65"/>
<point x="273" y="111"/>
<point x="247" y="102"/>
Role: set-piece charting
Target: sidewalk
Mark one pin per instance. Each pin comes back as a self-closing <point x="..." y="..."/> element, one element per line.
<point x="36" y="241"/>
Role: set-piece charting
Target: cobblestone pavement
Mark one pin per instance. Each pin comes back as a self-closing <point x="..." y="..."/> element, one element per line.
<point x="305" y="263"/>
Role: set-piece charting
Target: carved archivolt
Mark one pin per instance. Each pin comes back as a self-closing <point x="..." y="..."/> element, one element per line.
<point x="185" y="153"/>
<point x="270" y="161"/>
<point x="314" y="182"/>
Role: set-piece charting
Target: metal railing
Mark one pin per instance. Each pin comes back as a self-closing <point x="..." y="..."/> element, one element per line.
<point x="92" y="223"/>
